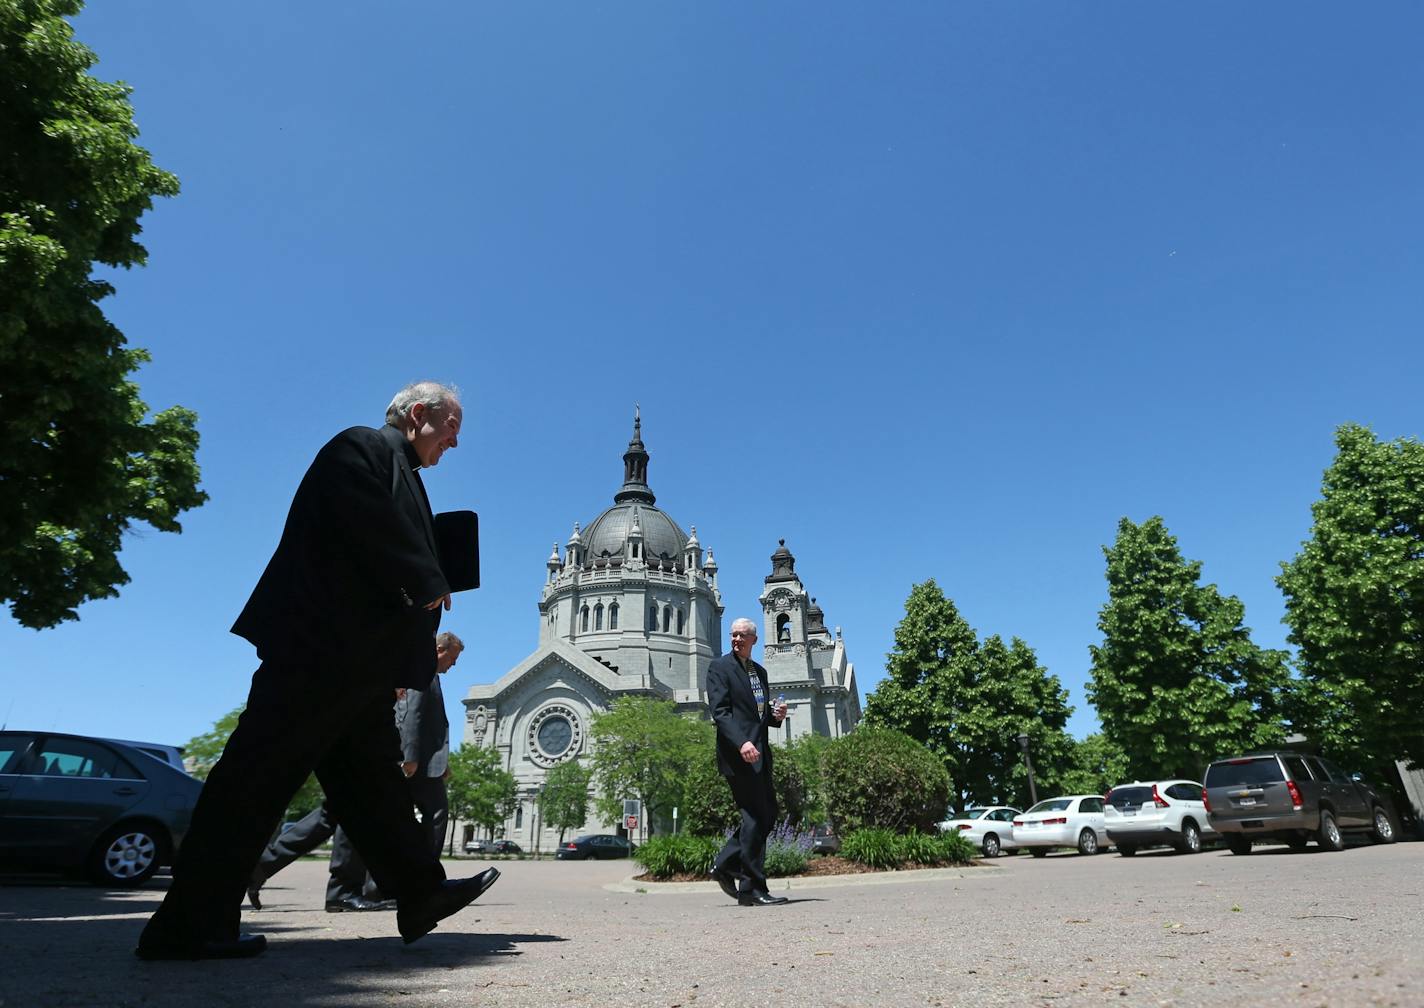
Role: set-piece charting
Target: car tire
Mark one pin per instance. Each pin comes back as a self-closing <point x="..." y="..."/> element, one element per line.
<point x="1126" y="850"/>
<point x="1382" y="829"/>
<point x="1330" y="838"/>
<point x="1190" y="843"/>
<point x="1238" y="845"/>
<point x="991" y="845"/>
<point x="1038" y="851"/>
<point x="1087" y="843"/>
<point x="127" y="856"/>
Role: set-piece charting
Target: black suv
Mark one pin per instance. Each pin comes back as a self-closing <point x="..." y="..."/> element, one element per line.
<point x="1291" y="798"/>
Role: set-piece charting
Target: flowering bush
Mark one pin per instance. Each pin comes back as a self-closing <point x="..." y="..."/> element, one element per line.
<point x="787" y="850"/>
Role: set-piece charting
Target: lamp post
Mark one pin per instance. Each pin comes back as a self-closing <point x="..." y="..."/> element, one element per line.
<point x="1028" y="765"/>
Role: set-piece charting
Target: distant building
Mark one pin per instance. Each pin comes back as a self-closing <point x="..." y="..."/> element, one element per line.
<point x="631" y="608"/>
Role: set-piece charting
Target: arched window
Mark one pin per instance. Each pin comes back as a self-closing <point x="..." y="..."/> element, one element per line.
<point x="679" y="621"/>
<point x="583" y="624"/>
<point x="598" y="616"/>
<point x="613" y="616"/>
<point x="652" y="617"/>
<point x="667" y="618"/>
<point x="519" y="816"/>
<point x="783" y="629"/>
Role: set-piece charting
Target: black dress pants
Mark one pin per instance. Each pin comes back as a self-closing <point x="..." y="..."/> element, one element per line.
<point x="433" y="803"/>
<point x="300" y="718"/>
<point x="745" y="851"/>
<point x="348" y="872"/>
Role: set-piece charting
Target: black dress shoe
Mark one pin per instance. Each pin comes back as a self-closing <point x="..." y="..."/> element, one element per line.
<point x="727" y="881"/>
<point x="417" y="918"/>
<point x="242" y="947"/>
<point x="760" y="899"/>
<point x="355" y="904"/>
<point x="254" y="896"/>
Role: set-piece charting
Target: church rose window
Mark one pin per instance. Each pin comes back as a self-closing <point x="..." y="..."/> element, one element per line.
<point x="555" y="734"/>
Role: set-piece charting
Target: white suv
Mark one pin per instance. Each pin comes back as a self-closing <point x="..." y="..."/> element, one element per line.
<point x="1154" y="813"/>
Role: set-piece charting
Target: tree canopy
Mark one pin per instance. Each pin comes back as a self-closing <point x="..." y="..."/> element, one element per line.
<point x="479" y="790"/>
<point x="1355" y="603"/>
<point x="969" y="702"/>
<point x="78" y="460"/>
<point x="644" y="749"/>
<point x="1177" y="681"/>
<point x="563" y="801"/>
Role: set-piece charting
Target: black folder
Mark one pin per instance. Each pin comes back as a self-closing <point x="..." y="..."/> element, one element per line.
<point x="457" y="539"/>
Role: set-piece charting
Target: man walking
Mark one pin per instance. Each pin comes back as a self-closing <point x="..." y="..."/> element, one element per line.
<point x="425" y="743"/>
<point x="737" y="693"/>
<point x="344" y="613"/>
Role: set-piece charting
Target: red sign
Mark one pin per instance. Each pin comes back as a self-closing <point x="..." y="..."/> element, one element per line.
<point x="630" y="823"/>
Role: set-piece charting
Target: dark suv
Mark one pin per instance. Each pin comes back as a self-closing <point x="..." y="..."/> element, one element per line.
<point x="1291" y="798"/>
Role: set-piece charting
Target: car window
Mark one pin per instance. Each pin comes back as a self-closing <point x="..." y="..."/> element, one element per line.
<point x="1091" y="805"/>
<point x="1051" y="805"/>
<point x="1185" y="792"/>
<point x="1245" y="771"/>
<point x="81" y="758"/>
<point x="1336" y="774"/>
<point x="1003" y="815"/>
<point x="1133" y="795"/>
<point x="12" y="751"/>
<point x="973" y="813"/>
<point x="1302" y="769"/>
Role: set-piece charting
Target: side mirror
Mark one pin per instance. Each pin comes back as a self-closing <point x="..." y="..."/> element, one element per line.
<point x="1357" y="777"/>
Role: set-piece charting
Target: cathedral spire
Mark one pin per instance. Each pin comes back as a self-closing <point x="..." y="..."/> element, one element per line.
<point x="635" y="487"/>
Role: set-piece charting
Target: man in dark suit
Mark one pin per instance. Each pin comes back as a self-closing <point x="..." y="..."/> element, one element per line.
<point x="425" y="743"/>
<point x="738" y="693"/>
<point x="344" y="613"/>
<point x="349" y="886"/>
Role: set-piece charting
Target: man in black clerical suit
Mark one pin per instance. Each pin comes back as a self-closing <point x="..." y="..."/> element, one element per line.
<point x="425" y="743"/>
<point x="344" y="613"/>
<point x="739" y="694"/>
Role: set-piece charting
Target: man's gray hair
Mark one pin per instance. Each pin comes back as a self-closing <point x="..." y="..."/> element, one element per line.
<point x="433" y="394"/>
<point x="446" y="641"/>
<point x="743" y="621"/>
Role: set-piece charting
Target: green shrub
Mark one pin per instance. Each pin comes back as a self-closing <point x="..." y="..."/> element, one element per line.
<point x="787" y="851"/>
<point x="955" y="849"/>
<point x="707" y="805"/>
<point x="879" y="778"/>
<point x="665" y="856"/>
<point x="878" y="848"/>
<point x="918" y="848"/>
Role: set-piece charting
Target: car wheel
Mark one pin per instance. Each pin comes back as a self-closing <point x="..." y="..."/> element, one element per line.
<point x="1126" y="850"/>
<point x="1239" y="845"/>
<point x="127" y="856"/>
<point x="1382" y="830"/>
<point x="1038" y="851"/>
<point x="1191" y="838"/>
<point x="991" y="845"/>
<point x="1087" y="842"/>
<point x="1330" y="838"/>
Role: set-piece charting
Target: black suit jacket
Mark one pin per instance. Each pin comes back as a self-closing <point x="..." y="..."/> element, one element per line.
<point x="734" y="712"/>
<point x="424" y="726"/>
<point x="354" y="567"/>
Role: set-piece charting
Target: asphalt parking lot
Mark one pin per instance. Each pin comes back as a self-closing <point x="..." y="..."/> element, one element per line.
<point x="1278" y="928"/>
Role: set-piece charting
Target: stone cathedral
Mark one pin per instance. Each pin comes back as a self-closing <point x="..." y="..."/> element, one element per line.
<point x="632" y="607"/>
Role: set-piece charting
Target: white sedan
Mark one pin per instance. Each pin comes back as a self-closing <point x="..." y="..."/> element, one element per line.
<point x="1068" y="821"/>
<point x="990" y="829"/>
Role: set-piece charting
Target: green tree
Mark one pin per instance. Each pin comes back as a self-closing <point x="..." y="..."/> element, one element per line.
<point x="201" y="753"/>
<point x="563" y="801"/>
<point x="1094" y="766"/>
<point x="644" y="749"/>
<point x="805" y="753"/>
<point x="1355" y="604"/>
<point x="1177" y="680"/>
<point x="967" y="702"/>
<point x="880" y="778"/>
<point x="78" y="461"/>
<point x="479" y="790"/>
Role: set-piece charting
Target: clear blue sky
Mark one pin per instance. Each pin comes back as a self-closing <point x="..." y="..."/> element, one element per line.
<point x="928" y="289"/>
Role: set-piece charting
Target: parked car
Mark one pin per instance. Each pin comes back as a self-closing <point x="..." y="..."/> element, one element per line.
<point x="991" y="828"/>
<point x="824" y="840"/>
<point x="72" y="802"/>
<point x="506" y="847"/>
<point x="1291" y="798"/>
<point x="1066" y="821"/>
<point x="1157" y="813"/>
<point x="602" y="846"/>
<point x="479" y="847"/>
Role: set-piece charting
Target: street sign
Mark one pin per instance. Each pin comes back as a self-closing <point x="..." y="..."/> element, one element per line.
<point x="631" y="806"/>
<point x="630" y="823"/>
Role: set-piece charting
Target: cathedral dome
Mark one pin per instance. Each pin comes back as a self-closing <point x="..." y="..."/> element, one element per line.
<point x="607" y="535"/>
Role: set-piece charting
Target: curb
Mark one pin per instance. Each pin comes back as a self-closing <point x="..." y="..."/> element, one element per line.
<point x="632" y="885"/>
